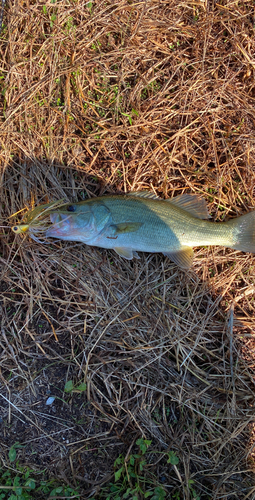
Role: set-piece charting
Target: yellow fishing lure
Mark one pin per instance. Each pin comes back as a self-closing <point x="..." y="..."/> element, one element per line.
<point x="36" y="221"/>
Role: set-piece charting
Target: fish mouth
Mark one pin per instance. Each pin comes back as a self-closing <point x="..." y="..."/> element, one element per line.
<point x="60" y="225"/>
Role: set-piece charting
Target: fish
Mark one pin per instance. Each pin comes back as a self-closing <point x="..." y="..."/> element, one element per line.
<point x="141" y="222"/>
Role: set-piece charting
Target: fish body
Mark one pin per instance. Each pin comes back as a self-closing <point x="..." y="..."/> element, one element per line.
<point x="142" y="222"/>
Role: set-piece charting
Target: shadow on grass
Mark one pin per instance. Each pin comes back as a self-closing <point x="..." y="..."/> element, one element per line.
<point x="99" y="352"/>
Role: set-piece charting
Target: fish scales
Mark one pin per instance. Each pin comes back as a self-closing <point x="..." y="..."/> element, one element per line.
<point x="139" y="221"/>
<point x="165" y="226"/>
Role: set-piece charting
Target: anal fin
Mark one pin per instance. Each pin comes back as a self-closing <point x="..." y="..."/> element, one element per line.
<point x="127" y="253"/>
<point x="183" y="258"/>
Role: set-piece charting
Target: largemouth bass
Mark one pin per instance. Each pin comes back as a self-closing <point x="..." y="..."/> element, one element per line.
<point x="139" y="221"/>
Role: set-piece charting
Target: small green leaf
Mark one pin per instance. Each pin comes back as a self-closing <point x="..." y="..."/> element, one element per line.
<point x="30" y="484"/>
<point x="118" y="474"/>
<point x="143" y="444"/>
<point x="147" y="442"/>
<point x="126" y="495"/>
<point x="114" y="488"/>
<point x="132" y="474"/>
<point x="118" y="461"/>
<point x="68" y="386"/>
<point x="18" y="491"/>
<point x="44" y="9"/>
<point x="172" y="458"/>
<point x="89" y="5"/>
<point x="81" y="388"/>
<point x="159" y="493"/>
<point x="12" y="454"/>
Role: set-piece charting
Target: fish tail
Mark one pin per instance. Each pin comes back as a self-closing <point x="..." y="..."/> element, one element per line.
<point x="243" y="232"/>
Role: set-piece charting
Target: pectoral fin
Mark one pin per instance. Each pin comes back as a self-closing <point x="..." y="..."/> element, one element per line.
<point x="183" y="258"/>
<point x="126" y="227"/>
<point x="127" y="253"/>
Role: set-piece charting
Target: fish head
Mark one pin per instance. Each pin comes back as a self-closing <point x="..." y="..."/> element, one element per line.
<point x="72" y="224"/>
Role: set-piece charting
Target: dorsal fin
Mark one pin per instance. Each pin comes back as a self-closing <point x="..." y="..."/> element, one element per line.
<point x="143" y="194"/>
<point x="192" y="204"/>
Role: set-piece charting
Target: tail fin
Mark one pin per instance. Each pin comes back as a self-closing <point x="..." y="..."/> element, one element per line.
<point x="243" y="232"/>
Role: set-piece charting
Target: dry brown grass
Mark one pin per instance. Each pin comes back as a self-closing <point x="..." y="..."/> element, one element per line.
<point x="112" y="97"/>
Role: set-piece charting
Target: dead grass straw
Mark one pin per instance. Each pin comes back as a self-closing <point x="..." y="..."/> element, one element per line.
<point x="105" y="97"/>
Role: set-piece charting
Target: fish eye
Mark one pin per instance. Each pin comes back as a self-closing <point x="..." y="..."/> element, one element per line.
<point x="71" y="208"/>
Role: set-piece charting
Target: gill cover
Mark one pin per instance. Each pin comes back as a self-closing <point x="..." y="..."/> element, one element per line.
<point x="81" y="223"/>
